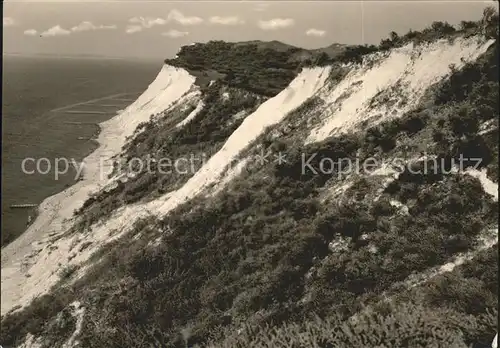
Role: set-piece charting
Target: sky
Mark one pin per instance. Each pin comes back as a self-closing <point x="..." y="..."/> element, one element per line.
<point x="156" y="29"/>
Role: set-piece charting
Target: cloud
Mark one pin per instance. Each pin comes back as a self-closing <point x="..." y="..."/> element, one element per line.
<point x="261" y="7"/>
<point x="87" y="26"/>
<point x="8" y="21"/>
<point x="232" y="20"/>
<point x="315" y="32"/>
<point x="59" y="31"/>
<point x="30" y="32"/>
<point x="177" y="16"/>
<point x="148" y="22"/>
<point x="133" y="29"/>
<point x="56" y="31"/>
<point x="175" y="33"/>
<point x="276" y="23"/>
<point x="140" y="23"/>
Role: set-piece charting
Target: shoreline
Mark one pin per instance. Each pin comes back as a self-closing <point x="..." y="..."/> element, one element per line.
<point x="29" y="267"/>
<point x="47" y="132"/>
<point x="41" y="207"/>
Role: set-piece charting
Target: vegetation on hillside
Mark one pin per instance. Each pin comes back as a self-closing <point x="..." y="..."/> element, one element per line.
<point x="187" y="148"/>
<point x="437" y="307"/>
<point x="268" y="263"/>
<point x="251" y="66"/>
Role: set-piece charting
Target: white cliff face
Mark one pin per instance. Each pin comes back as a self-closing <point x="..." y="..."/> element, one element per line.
<point x="43" y="264"/>
<point x="192" y="115"/>
<point x="388" y="85"/>
<point x="269" y="113"/>
<point x="404" y="74"/>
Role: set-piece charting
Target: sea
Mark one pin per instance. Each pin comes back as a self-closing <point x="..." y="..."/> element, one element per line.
<point x="50" y="110"/>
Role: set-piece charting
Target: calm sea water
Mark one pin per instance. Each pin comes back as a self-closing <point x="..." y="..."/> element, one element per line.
<point x="32" y="88"/>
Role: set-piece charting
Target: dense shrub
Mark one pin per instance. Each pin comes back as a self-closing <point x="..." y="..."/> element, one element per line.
<point x="268" y="250"/>
<point x="35" y="318"/>
<point x="264" y="71"/>
<point x="194" y="143"/>
<point x="400" y="326"/>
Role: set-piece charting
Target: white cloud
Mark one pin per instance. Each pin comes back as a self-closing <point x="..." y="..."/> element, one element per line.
<point x="232" y="20"/>
<point x="156" y="21"/>
<point x="175" y="33"/>
<point x="86" y="26"/>
<point x="56" y="31"/>
<point x="315" y="32"/>
<point x="133" y="29"/>
<point x="139" y="23"/>
<point x="8" y="21"/>
<point x="178" y="17"/>
<point x="147" y="22"/>
<point x="276" y="23"/>
<point x="30" y="32"/>
<point x="59" y="31"/>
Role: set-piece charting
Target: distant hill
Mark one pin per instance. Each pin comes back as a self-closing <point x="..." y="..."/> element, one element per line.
<point x="262" y="67"/>
<point x="273" y="45"/>
<point x="345" y="196"/>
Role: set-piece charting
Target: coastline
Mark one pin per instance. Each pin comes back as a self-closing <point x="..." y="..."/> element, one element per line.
<point x="41" y="208"/>
<point x="83" y="146"/>
<point x="45" y="117"/>
<point x="29" y="267"/>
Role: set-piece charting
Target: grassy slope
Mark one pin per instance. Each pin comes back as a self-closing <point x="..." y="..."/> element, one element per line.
<point x="249" y="72"/>
<point x="257" y="253"/>
<point x="459" y="308"/>
<point x="159" y="138"/>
